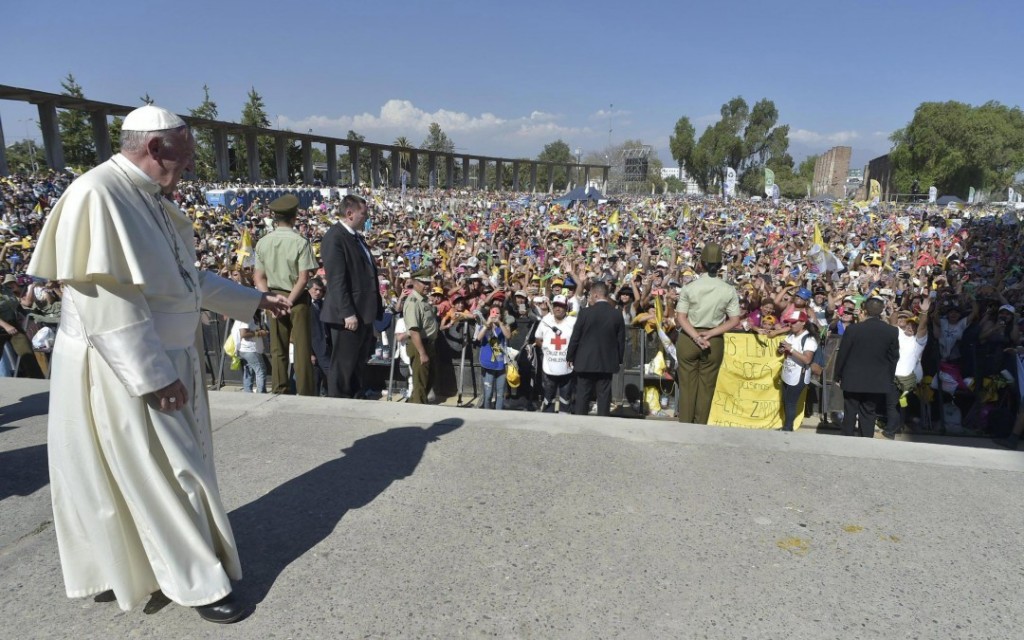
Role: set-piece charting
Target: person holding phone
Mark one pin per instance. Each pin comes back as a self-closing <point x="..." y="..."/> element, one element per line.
<point x="492" y="337"/>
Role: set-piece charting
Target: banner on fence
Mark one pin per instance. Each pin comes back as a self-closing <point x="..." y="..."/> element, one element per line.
<point x="749" y="388"/>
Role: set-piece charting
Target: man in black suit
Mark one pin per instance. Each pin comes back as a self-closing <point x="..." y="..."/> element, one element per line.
<point x="320" y="337"/>
<point x="866" y="368"/>
<point x="353" y="298"/>
<point x="596" y="348"/>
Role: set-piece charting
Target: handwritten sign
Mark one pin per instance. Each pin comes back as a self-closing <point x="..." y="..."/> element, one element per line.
<point x="749" y="389"/>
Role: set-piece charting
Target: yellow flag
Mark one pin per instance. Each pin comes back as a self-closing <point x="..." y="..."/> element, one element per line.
<point x="244" y="250"/>
<point x="614" y="218"/>
<point x="38" y="208"/>
<point x="876" y="190"/>
<point x="817" y="236"/>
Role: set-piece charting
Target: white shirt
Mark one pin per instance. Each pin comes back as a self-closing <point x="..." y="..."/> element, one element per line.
<point x="791" y="369"/>
<point x="555" y="344"/>
<point x="362" y="243"/>
<point x="911" y="348"/>
<point x="247" y="345"/>
<point x="949" y="336"/>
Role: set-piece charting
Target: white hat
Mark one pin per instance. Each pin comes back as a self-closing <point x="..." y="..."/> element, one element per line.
<point x="1008" y="307"/>
<point x="662" y="263"/>
<point x="151" y="118"/>
<point x="405" y="275"/>
<point x="560" y="300"/>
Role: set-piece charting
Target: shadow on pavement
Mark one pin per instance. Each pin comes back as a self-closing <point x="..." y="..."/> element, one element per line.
<point x="36" y="404"/>
<point x="278" y="528"/>
<point x="23" y="471"/>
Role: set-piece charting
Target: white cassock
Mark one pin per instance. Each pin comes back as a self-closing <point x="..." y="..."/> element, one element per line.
<point x="135" y="498"/>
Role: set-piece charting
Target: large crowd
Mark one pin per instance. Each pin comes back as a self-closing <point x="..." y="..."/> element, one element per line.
<point x="951" y="278"/>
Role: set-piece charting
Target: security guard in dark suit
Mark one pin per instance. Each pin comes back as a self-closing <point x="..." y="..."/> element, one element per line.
<point x="284" y="260"/>
<point x="707" y="309"/>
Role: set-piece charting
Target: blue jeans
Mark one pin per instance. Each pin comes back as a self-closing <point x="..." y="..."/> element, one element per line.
<point x="254" y="369"/>
<point x="790" y="400"/>
<point x="494" y="388"/>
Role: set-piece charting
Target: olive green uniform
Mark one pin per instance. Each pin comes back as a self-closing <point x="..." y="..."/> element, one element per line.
<point x="282" y="254"/>
<point x="421" y="317"/>
<point x="707" y="302"/>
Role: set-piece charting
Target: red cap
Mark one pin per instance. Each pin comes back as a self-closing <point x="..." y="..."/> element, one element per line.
<point x="795" y="316"/>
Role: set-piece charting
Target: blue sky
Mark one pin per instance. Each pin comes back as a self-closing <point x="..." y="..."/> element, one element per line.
<point x="505" y="78"/>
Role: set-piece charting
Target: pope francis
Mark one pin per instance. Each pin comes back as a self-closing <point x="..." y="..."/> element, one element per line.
<point x="135" y="498"/>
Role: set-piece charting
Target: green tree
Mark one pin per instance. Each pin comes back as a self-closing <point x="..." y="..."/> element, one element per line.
<point x="436" y="140"/>
<point x="25" y="156"/>
<point x="75" y="130"/>
<point x="345" y="163"/>
<point x="743" y="138"/>
<point x="559" y="153"/>
<point x="147" y="100"/>
<point x="206" y="165"/>
<point x="254" y="114"/>
<point x="115" y="132"/>
<point x="955" y="146"/>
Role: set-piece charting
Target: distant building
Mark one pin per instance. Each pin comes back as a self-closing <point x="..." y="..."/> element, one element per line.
<point x="830" y="172"/>
<point x="674" y="172"/>
<point x="878" y="169"/>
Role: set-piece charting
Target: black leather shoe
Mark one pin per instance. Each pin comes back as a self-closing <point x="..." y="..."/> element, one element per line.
<point x="106" y="596"/>
<point x="224" y="611"/>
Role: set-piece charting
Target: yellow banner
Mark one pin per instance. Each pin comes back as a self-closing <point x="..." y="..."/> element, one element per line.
<point x="875" y="190"/>
<point x="749" y="388"/>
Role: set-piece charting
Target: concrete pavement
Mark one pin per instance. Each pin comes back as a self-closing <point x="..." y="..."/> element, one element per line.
<point x="385" y="520"/>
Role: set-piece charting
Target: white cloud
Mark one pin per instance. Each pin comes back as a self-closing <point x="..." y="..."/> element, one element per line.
<point x="604" y="114"/>
<point x="484" y="133"/>
<point x="813" y="137"/>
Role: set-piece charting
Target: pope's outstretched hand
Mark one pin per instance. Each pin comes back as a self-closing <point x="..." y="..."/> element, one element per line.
<point x="277" y="305"/>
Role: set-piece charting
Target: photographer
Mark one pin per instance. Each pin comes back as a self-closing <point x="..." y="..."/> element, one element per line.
<point x="798" y="350"/>
<point x="492" y="337"/>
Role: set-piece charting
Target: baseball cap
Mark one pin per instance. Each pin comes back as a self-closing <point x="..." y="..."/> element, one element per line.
<point x="795" y="316"/>
<point x="560" y="300"/>
<point x="804" y="293"/>
<point x="1008" y="307"/>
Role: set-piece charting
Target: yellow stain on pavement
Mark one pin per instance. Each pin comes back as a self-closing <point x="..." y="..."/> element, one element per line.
<point x="853" y="528"/>
<point x="796" y="546"/>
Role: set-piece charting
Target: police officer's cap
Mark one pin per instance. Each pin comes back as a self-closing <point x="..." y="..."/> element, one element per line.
<point x="711" y="254"/>
<point x="287" y="206"/>
<point x="424" y="275"/>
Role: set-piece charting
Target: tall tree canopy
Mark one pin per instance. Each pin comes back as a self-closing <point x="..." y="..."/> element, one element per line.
<point x="206" y="167"/>
<point x="75" y="130"/>
<point x="743" y="138"/>
<point x="254" y="114"/>
<point x="559" y="153"/>
<point x="955" y="146"/>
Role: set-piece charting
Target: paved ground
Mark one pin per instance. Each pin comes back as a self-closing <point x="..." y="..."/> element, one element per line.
<point x="375" y="520"/>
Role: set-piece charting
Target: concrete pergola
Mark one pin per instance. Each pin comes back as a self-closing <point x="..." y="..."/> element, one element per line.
<point x="48" y="103"/>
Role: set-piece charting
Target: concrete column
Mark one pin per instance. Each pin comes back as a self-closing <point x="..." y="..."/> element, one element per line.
<point x="100" y="135"/>
<point x="568" y="177"/>
<point x="53" y="149"/>
<point x="220" y="155"/>
<point x="465" y="171"/>
<point x="414" y="170"/>
<point x="396" y="169"/>
<point x="533" y="177"/>
<point x="375" y="167"/>
<point x="449" y="172"/>
<point x="604" y="179"/>
<point x="307" y="161"/>
<point x="432" y="170"/>
<point x="586" y="175"/>
<point x="499" y="183"/>
<point x="4" y="169"/>
<point x="332" y="164"/>
<point x="551" y="178"/>
<point x="252" y="155"/>
<point x="481" y="172"/>
<point x="515" y="175"/>
<point x="281" y="159"/>
<point x="353" y="163"/>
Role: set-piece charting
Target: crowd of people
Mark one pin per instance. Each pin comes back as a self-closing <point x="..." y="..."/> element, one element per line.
<point x="537" y="290"/>
<point x="951" y="279"/>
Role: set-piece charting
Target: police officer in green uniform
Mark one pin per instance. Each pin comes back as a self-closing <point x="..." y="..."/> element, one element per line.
<point x="707" y="309"/>
<point x="284" y="260"/>
<point x="421" y="322"/>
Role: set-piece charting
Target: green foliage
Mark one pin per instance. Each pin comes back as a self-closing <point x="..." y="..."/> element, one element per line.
<point x="25" y="157"/>
<point x="345" y="162"/>
<point x="147" y="100"/>
<point x="436" y="140"/>
<point x="558" y="152"/>
<point x="206" y="166"/>
<point x="955" y="146"/>
<point x="743" y="138"/>
<point x="254" y="114"/>
<point x="115" y="132"/>
<point x="75" y="130"/>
